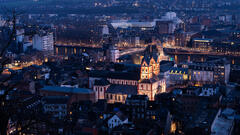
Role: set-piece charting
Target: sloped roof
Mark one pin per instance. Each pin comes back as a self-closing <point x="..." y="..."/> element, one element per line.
<point x="56" y="99"/>
<point x="66" y="89"/>
<point x="102" y="82"/>
<point x="122" y="89"/>
<point x="115" y="75"/>
<point x="121" y="116"/>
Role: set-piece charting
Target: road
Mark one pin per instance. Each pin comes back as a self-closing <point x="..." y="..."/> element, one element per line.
<point x="130" y="51"/>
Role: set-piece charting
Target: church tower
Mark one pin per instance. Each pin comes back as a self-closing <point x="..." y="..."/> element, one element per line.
<point x="150" y="64"/>
<point x="146" y="69"/>
<point x="150" y="69"/>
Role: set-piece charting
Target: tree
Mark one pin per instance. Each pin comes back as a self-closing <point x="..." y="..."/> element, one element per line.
<point x="4" y="86"/>
<point x="14" y="107"/>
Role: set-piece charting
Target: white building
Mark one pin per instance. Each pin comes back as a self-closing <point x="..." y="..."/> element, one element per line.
<point x="169" y="16"/>
<point x="169" y="21"/>
<point x="123" y="24"/>
<point x="202" y="76"/>
<point x="43" y="42"/>
<point x="114" y="54"/>
<point x="100" y="87"/>
<point x="210" y="72"/>
<point x="209" y="90"/>
<point x="20" y="35"/>
<point x="117" y="120"/>
<point x="105" y="30"/>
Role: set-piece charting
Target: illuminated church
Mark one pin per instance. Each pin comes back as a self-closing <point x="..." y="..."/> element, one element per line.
<point x="115" y="86"/>
<point x="151" y="83"/>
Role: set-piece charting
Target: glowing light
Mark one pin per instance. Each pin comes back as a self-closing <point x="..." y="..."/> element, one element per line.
<point x="88" y="68"/>
<point x="185" y="77"/>
<point x="46" y="60"/>
<point x="173" y="127"/>
<point x="75" y="51"/>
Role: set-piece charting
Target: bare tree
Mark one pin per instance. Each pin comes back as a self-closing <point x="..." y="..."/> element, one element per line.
<point x="13" y="108"/>
<point x="10" y="24"/>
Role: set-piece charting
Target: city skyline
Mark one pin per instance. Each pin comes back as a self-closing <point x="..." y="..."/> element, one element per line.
<point x="119" y="67"/>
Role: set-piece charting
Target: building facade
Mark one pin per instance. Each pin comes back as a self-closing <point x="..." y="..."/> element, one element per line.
<point x="117" y="120"/>
<point x="75" y="94"/>
<point x="43" y="41"/>
<point x="202" y="44"/>
<point x="100" y="87"/>
<point x="56" y="106"/>
<point x="213" y="71"/>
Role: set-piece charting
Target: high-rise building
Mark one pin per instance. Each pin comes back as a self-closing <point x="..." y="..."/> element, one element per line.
<point x="168" y="23"/>
<point x="43" y="41"/>
<point x="164" y="27"/>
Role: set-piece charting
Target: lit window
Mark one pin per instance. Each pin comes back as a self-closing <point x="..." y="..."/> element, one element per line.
<point x="75" y="51"/>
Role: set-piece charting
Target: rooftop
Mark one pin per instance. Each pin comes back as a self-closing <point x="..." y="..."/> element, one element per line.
<point x="55" y="99"/>
<point x="101" y="82"/>
<point x="125" y="24"/>
<point x="122" y="89"/>
<point x="66" y="89"/>
<point x="115" y="75"/>
<point x="137" y="97"/>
